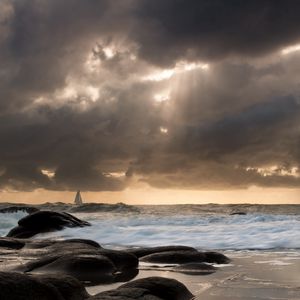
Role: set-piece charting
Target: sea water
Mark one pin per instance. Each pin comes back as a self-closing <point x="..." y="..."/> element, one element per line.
<point x="203" y="227"/>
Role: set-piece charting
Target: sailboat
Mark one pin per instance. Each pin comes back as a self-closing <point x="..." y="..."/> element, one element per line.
<point x="78" y="199"/>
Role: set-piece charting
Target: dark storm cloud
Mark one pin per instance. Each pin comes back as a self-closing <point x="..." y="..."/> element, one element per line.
<point x="77" y="113"/>
<point x="214" y="29"/>
<point x="228" y="153"/>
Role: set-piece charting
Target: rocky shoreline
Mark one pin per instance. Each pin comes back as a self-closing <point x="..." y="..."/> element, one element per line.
<point x="62" y="269"/>
<point x="39" y="268"/>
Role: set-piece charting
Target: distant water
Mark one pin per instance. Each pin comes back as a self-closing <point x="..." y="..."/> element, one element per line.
<point x="201" y="226"/>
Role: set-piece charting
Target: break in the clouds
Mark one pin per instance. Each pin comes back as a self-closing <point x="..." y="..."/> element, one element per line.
<point x="102" y="95"/>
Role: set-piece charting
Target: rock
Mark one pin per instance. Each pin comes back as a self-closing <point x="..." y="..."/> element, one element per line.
<point x="140" y="252"/>
<point x="152" y="288"/>
<point x="86" y="268"/>
<point x="14" y="209"/>
<point x="216" y="258"/>
<point x="44" y="221"/>
<point x="241" y="213"/>
<point x="69" y="287"/>
<point x="195" y="269"/>
<point x="121" y="259"/>
<point x="84" y="260"/>
<point x="125" y="294"/>
<point x="11" y="243"/>
<point x="163" y="288"/>
<point x="81" y="241"/>
<point x="15" y="286"/>
<point x="183" y="257"/>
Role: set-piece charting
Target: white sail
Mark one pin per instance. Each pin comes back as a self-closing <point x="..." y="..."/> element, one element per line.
<point x="78" y="199"/>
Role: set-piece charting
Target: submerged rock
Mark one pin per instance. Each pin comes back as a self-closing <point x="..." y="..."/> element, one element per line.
<point x="195" y="269"/>
<point x="44" y="221"/>
<point x="240" y="213"/>
<point x="183" y="257"/>
<point x="140" y="252"/>
<point x="14" y="209"/>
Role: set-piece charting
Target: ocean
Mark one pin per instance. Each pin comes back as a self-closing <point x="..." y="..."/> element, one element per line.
<point x="211" y="226"/>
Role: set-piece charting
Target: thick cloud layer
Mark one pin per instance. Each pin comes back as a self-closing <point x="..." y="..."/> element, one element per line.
<point x="214" y="29"/>
<point x="99" y="95"/>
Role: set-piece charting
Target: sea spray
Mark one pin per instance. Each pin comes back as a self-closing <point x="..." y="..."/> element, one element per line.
<point x="204" y="231"/>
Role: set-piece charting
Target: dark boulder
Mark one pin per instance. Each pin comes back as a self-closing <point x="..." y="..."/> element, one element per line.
<point x="239" y="213"/>
<point x="80" y="241"/>
<point x="216" y="258"/>
<point x="44" y="221"/>
<point x="86" y="268"/>
<point x="69" y="287"/>
<point x="183" y="257"/>
<point x="11" y="243"/>
<point x="140" y="252"/>
<point x="82" y="260"/>
<point x="121" y="259"/>
<point x="164" y="288"/>
<point x="14" y="209"/>
<point x="15" y="286"/>
<point x="195" y="269"/>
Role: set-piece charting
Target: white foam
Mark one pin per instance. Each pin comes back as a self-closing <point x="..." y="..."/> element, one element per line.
<point x="273" y="262"/>
<point x="10" y="220"/>
<point x="253" y="231"/>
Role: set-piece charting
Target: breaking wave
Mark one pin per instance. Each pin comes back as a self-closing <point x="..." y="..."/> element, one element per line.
<point x="253" y="231"/>
<point x="202" y="226"/>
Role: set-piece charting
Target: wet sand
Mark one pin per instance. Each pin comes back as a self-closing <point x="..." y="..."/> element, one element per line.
<point x="258" y="275"/>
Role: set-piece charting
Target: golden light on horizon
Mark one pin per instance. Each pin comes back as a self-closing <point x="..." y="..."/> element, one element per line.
<point x="149" y="195"/>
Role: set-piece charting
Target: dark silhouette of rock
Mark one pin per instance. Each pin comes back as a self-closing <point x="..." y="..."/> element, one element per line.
<point x="15" y="286"/>
<point x="69" y="287"/>
<point x="14" y="209"/>
<point x="11" y="243"/>
<point x="164" y="288"/>
<point x="140" y="252"/>
<point x="183" y="257"/>
<point x="81" y="241"/>
<point x="121" y="259"/>
<point x="86" y="268"/>
<point x="84" y="260"/>
<point x="241" y="213"/>
<point x="195" y="269"/>
<point x="44" y="221"/>
<point x="216" y="258"/>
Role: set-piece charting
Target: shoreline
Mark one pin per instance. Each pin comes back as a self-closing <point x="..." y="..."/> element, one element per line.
<point x="36" y="249"/>
<point x="259" y="274"/>
<point x="251" y="274"/>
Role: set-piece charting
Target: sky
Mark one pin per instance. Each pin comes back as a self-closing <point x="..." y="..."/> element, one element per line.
<point x="150" y="101"/>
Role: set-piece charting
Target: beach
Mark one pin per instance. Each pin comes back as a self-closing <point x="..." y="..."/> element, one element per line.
<point x="261" y="243"/>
